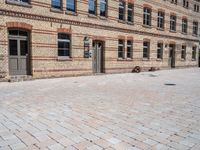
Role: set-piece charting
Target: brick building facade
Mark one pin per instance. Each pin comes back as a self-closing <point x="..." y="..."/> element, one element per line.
<point x="50" y="38"/>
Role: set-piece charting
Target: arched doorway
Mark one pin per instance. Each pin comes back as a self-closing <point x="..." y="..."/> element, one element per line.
<point x="19" y="52"/>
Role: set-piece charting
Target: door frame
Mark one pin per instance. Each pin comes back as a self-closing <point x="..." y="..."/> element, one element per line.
<point x="102" y="62"/>
<point x="172" y="55"/>
<point x="20" y="38"/>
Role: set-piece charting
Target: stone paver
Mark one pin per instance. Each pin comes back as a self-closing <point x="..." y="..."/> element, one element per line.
<point x="110" y="112"/>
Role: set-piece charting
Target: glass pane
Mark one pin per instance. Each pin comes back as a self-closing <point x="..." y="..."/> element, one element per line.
<point x="103" y="8"/>
<point x="71" y="5"/>
<point x="13" y="32"/>
<point x="25" y="1"/>
<point x="23" y="33"/>
<point x="63" y="52"/>
<point x="23" y="48"/>
<point x="63" y="36"/>
<point x="92" y="6"/>
<point x="56" y="4"/>
<point x="13" y="47"/>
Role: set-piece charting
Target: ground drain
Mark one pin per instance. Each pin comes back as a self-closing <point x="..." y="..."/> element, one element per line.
<point x="170" y="84"/>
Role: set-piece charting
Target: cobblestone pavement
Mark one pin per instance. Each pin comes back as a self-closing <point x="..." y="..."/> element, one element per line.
<point x="110" y="112"/>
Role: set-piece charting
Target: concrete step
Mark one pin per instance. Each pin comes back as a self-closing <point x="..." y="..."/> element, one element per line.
<point x="20" y="78"/>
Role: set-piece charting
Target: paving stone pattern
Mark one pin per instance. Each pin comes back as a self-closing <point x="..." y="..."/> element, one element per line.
<point x="110" y="112"/>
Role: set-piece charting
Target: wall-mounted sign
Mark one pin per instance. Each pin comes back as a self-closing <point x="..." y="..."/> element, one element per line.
<point x="86" y="47"/>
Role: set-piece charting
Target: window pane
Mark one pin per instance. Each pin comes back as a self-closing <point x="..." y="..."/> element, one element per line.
<point x="56" y="4"/>
<point x="63" y="36"/>
<point x="146" y="50"/>
<point x="23" y="48"/>
<point x="103" y="5"/>
<point x="25" y="1"/>
<point x="13" y="47"/>
<point x="71" y="5"/>
<point x="121" y="49"/>
<point x="13" y="32"/>
<point x="121" y="10"/>
<point x="130" y="12"/>
<point x="92" y="7"/>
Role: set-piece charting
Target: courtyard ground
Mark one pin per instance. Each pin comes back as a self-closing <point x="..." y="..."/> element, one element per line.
<point x="153" y="110"/>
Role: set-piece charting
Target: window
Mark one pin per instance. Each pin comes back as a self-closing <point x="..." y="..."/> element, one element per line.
<point x="130" y="12"/>
<point x="185" y="4"/>
<point x="103" y="8"/>
<point x="64" y="44"/>
<point x="161" y="16"/>
<point x="183" y="52"/>
<point x="121" y="49"/>
<point x="172" y="23"/>
<point x="174" y="1"/>
<point x="194" y="48"/>
<point x="147" y="16"/>
<point x="196" y="8"/>
<point x="195" y="28"/>
<point x="160" y="50"/>
<point x="146" y="48"/>
<point x="71" y="6"/>
<point x="56" y="4"/>
<point x="129" y="49"/>
<point x="121" y="10"/>
<point x="184" y="25"/>
<point x="92" y="7"/>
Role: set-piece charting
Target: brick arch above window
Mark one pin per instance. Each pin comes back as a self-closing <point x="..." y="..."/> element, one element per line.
<point x="64" y="30"/>
<point x="160" y="10"/>
<point x="130" y="1"/>
<point x="100" y="38"/>
<point x="146" y="40"/>
<point x="121" y="37"/>
<point x="173" y="14"/>
<point x="160" y="41"/>
<point x="147" y="6"/>
<point x="172" y="42"/>
<point x="130" y="38"/>
<point x="184" y="17"/>
<point x="20" y="25"/>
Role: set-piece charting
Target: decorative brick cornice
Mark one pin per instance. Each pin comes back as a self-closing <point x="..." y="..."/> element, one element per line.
<point x="87" y="24"/>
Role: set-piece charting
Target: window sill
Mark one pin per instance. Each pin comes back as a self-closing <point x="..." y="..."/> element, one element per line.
<point x="182" y="59"/>
<point x="172" y="31"/>
<point x="122" y="21"/>
<point x="160" y="29"/>
<point x="56" y="10"/>
<point x="63" y="58"/>
<point x="145" y="59"/>
<point x="129" y="59"/>
<point x="159" y="59"/>
<point x="193" y="59"/>
<point x="92" y="16"/>
<point x="147" y="26"/>
<point x="121" y="59"/>
<point x="184" y="33"/>
<point x="71" y="13"/>
<point x="103" y="18"/>
<point x="23" y="4"/>
<point x="130" y="23"/>
<point x="195" y="35"/>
